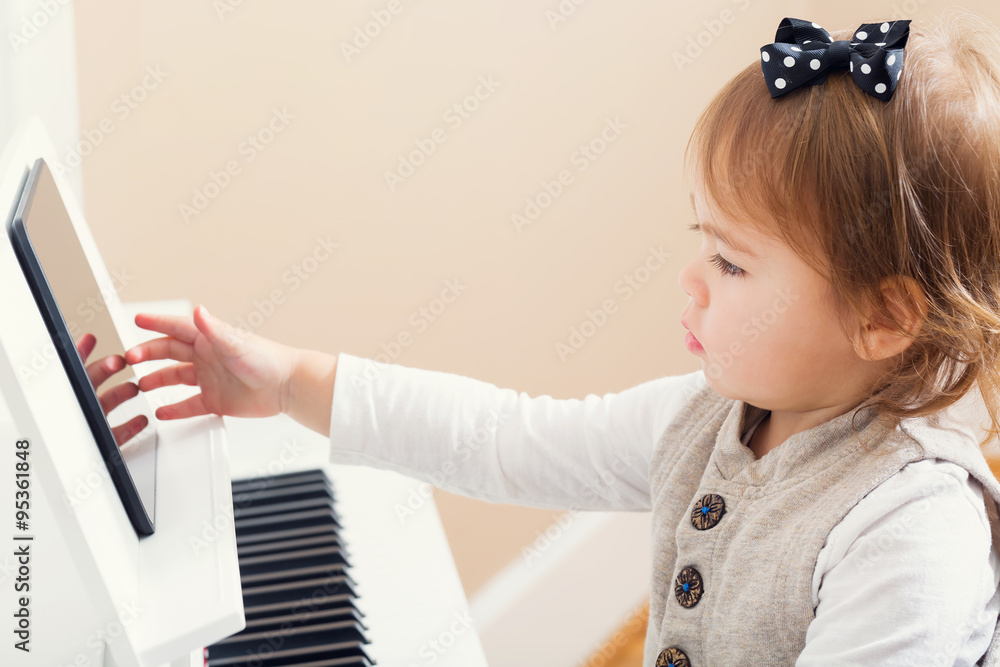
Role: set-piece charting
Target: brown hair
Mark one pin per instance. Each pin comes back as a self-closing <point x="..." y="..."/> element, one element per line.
<point x="866" y="190"/>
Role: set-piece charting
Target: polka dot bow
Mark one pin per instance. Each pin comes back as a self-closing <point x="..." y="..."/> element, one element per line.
<point x="804" y="53"/>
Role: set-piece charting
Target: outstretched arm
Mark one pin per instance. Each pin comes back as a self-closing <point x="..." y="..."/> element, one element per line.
<point x="473" y="438"/>
<point x="458" y="433"/>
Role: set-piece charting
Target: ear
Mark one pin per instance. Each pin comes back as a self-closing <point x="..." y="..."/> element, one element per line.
<point x="907" y="302"/>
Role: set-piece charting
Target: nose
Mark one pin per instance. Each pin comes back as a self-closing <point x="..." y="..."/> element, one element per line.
<point x="691" y="282"/>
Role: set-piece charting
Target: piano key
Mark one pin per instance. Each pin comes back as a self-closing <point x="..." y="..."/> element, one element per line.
<point x="407" y="583"/>
<point x="357" y="660"/>
<point x="330" y="539"/>
<point x="247" y="503"/>
<point x="244" y="501"/>
<point x="282" y="494"/>
<point x="347" y="633"/>
<point x="292" y="560"/>
<point x="332" y="653"/>
<point x="280" y="534"/>
<point x="266" y="494"/>
<point x="322" y="640"/>
<point x="299" y="600"/>
<point x="296" y="574"/>
<point x="307" y="616"/>
<point x="275" y="546"/>
<point x="305" y="517"/>
<point x="297" y="590"/>
<point x="298" y="505"/>
<point x="241" y="485"/>
<point x="341" y="600"/>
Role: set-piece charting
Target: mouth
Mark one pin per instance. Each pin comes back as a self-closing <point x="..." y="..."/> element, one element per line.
<point x="690" y="341"/>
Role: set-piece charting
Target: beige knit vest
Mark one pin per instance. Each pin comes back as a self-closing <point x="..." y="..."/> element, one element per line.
<point x="736" y="539"/>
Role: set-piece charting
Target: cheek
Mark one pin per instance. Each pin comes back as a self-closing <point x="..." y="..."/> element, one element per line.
<point x="752" y="333"/>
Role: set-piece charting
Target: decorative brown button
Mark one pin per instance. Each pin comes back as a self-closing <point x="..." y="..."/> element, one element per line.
<point x="688" y="587"/>
<point x="708" y="511"/>
<point x="672" y="657"/>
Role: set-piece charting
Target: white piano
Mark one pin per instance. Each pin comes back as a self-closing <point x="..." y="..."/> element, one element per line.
<point x="79" y="587"/>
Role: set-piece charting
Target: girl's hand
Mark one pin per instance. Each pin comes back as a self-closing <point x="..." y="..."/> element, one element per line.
<point x="98" y="372"/>
<point x="238" y="376"/>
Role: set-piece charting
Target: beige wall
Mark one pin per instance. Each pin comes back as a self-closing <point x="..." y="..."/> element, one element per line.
<point x="323" y="175"/>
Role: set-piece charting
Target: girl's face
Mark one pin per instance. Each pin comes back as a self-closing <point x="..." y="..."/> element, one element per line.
<point x="762" y="317"/>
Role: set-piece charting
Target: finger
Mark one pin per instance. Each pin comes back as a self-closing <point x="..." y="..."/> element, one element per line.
<point x="160" y="348"/>
<point x="220" y="333"/>
<point x="189" y="407"/>
<point x="115" y="396"/>
<point x="102" y="369"/>
<point x="129" y="429"/>
<point x="179" y="326"/>
<point x="86" y="345"/>
<point x="171" y="375"/>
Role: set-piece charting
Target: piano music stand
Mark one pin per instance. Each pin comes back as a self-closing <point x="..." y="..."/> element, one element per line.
<point x="99" y="595"/>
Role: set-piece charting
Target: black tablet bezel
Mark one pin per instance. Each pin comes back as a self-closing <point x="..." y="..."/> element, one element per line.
<point x="66" y="348"/>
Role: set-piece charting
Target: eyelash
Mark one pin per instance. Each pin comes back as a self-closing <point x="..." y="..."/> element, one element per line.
<point x="727" y="268"/>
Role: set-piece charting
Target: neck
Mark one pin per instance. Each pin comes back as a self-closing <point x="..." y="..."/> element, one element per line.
<point x="780" y="425"/>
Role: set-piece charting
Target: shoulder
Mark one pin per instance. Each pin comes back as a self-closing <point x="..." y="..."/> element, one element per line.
<point x="927" y="492"/>
<point x="932" y="506"/>
<point x="919" y="541"/>
<point x="665" y="397"/>
<point x="666" y="393"/>
<point x="931" y="486"/>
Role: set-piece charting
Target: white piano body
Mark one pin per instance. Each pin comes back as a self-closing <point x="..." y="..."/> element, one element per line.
<point x="98" y="595"/>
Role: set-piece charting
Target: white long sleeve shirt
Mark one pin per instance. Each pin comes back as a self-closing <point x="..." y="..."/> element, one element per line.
<point x="908" y="577"/>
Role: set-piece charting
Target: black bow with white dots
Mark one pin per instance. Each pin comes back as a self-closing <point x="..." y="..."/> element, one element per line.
<point x="803" y="54"/>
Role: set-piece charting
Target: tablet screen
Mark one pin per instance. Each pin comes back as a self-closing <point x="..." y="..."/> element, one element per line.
<point x="73" y="306"/>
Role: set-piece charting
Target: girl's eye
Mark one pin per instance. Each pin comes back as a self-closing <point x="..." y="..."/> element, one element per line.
<point x="727" y="268"/>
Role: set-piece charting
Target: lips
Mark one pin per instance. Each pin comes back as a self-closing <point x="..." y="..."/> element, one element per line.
<point x="684" y="324"/>
<point x="695" y="342"/>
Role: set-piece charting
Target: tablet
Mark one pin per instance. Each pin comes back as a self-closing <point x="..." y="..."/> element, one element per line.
<point x="72" y="304"/>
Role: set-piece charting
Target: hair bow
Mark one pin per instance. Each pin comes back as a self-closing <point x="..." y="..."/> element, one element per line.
<point x="803" y="54"/>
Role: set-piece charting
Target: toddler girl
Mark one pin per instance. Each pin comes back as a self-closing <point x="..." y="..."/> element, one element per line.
<point x="816" y="499"/>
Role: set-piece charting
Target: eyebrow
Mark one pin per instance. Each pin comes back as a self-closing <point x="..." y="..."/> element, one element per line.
<point x="720" y="235"/>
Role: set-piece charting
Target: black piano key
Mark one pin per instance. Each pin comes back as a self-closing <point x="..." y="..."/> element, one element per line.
<point x="283" y="478"/>
<point x="265" y="543"/>
<point x="307" y="589"/>
<point x="278" y="533"/>
<point x="276" y="494"/>
<point x="356" y="661"/>
<point x="343" y="637"/>
<point x="346" y="633"/>
<point x="303" y="616"/>
<point x="296" y="574"/>
<point x="298" y="596"/>
<point x="338" y="601"/>
<point x="310" y="489"/>
<point x="258" y="483"/>
<point x="297" y="505"/>
<point x="292" y="560"/>
<point x="286" y="521"/>
<point x="270" y="502"/>
<point x="338" y="607"/>
<point x="359" y="660"/>
<point x="330" y="655"/>
<point x="278" y="546"/>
